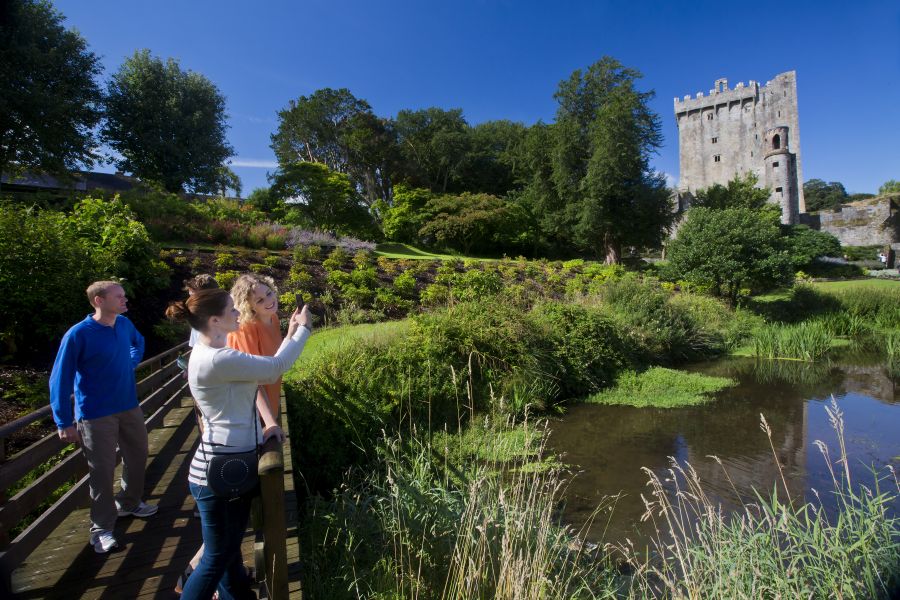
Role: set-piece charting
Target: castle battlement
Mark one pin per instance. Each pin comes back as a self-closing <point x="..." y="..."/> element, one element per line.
<point x="717" y="96"/>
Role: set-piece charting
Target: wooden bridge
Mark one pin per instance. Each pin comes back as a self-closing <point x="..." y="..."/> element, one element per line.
<point x="51" y="558"/>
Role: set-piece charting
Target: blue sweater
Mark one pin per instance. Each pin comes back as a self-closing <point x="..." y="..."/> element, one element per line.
<point x="97" y="362"/>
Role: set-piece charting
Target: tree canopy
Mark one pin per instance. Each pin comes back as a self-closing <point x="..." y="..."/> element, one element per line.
<point x="824" y="196"/>
<point x="318" y="197"/>
<point x="730" y="249"/>
<point x="167" y="125"/>
<point x="740" y="192"/>
<point x="49" y="99"/>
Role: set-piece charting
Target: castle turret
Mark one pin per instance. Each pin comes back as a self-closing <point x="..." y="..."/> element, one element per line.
<point x="781" y="174"/>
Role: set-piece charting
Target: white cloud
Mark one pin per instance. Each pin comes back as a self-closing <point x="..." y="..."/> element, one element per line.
<point x="671" y="182"/>
<point x="253" y="163"/>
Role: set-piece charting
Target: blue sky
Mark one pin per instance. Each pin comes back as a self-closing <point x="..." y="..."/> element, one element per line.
<point x="503" y="59"/>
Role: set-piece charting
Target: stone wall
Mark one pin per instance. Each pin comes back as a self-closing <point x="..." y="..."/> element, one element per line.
<point x="865" y="223"/>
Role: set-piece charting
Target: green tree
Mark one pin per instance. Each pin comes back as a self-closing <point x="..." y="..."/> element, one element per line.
<point x="264" y="201"/>
<point x="49" y="99"/>
<point x="824" y="196"/>
<point x="472" y="223"/>
<point x="403" y="219"/>
<point x="491" y="162"/>
<point x="167" y="125"/>
<point x="740" y="192"/>
<point x="730" y="249"/>
<point x="317" y="197"/>
<point x="891" y="186"/>
<point x="433" y="143"/>
<point x="335" y="128"/>
<point x="621" y="201"/>
<point x="804" y="245"/>
<point x="44" y="269"/>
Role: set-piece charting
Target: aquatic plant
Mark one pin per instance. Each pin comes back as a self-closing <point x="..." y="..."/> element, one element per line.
<point x="809" y="341"/>
<point x="662" y="388"/>
<point x="776" y="546"/>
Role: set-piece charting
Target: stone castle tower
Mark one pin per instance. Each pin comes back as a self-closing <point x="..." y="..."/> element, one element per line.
<point x="750" y="128"/>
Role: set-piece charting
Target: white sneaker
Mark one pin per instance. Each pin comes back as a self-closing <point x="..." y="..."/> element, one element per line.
<point x="143" y="511"/>
<point x="103" y="541"/>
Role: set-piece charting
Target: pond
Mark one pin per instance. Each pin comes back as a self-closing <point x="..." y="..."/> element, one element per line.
<point x="606" y="446"/>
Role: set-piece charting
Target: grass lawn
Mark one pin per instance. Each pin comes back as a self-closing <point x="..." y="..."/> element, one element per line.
<point x="867" y="284"/>
<point x="392" y="250"/>
<point x="323" y="340"/>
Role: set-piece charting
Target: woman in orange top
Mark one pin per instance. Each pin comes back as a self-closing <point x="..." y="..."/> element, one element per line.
<point x="259" y="332"/>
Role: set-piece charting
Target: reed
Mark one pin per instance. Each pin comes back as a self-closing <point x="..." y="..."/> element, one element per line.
<point x="776" y="546"/>
<point x="809" y="341"/>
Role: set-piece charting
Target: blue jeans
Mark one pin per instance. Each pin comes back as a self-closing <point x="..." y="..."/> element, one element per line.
<point x="223" y="523"/>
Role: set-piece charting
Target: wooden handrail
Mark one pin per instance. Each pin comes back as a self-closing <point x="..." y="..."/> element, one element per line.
<point x="274" y="522"/>
<point x="13" y="427"/>
<point x="158" y="391"/>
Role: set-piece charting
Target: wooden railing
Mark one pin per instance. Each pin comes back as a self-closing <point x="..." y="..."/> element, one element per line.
<point x="158" y="390"/>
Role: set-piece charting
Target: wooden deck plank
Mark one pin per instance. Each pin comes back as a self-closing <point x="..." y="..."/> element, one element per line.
<point x="152" y="552"/>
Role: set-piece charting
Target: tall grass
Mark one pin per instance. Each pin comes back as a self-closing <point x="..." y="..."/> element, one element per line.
<point x="425" y="528"/>
<point x="808" y="341"/>
<point x="773" y="547"/>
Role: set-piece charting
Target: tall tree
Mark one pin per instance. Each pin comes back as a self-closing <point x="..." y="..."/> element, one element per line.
<point x="167" y="125"/>
<point x="823" y="196"/>
<point x="317" y="197"/>
<point x="338" y="130"/>
<point x="605" y="195"/>
<point x="622" y="202"/>
<point x="49" y="99"/>
<point x="490" y="164"/>
<point x="434" y="143"/>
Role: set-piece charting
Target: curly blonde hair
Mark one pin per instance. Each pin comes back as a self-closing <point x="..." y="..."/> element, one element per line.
<point x="242" y="292"/>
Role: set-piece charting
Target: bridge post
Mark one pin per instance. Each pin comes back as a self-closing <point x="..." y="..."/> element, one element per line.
<point x="274" y="525"/>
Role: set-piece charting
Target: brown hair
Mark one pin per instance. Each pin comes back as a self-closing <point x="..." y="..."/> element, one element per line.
<point x="242" y="291"/>
<point x="198" y="309"/>
<point x="99" y="288"/>
<point x="203" y="281"/>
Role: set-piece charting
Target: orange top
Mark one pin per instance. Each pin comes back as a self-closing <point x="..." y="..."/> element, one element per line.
<point x="261" y="339"/>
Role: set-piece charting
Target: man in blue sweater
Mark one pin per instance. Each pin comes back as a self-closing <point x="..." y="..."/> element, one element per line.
<point x="96" y="360"/>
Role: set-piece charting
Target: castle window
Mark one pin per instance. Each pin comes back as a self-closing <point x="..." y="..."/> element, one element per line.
<point x="717" y="158"/>
<point x="779" y="113"/>
<point x="709" y="116"/>
<point x="751" y="154"/>
<point x="775" y="165"/>
<point x="776" y="142"/>
<point x="778" y="190"/>
<point x="715" y="140"/>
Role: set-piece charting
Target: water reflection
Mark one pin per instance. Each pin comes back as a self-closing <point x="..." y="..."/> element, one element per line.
<point x="607" y="445"/>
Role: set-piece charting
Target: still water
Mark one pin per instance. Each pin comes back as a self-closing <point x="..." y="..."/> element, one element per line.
<point x="606" y="446"/>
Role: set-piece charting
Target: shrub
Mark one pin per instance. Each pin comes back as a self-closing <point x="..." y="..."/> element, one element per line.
<point x="435" y="294"/>
<point x="224" y="260"/>
<point x="730" y="249"/>
<point x="362" y="258"/>
<point x="272" y="261"/>
<point x="586" y="347"/>
<point x="226" y="279"/>
<point x="388" y="266"/>
<point x="180" y="261"/>
<point x="299" y="278"/>
<point x="364" y="276"/>
<point x="336" y="259"/>
<point x="307" y="253"/>
<point x="405" y="284"/>
<point x="44" y="269"/>
<point x="474" y="285"/>
<point x="259" y="268"/>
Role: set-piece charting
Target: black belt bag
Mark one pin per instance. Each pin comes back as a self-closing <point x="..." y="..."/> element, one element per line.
<point x="233" y="474"/>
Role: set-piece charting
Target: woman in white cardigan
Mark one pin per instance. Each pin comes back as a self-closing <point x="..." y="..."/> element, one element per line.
<point x="223" y="382"/>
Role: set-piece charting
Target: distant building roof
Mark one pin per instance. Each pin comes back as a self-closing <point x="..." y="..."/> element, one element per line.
<point x="81" y="181"/>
